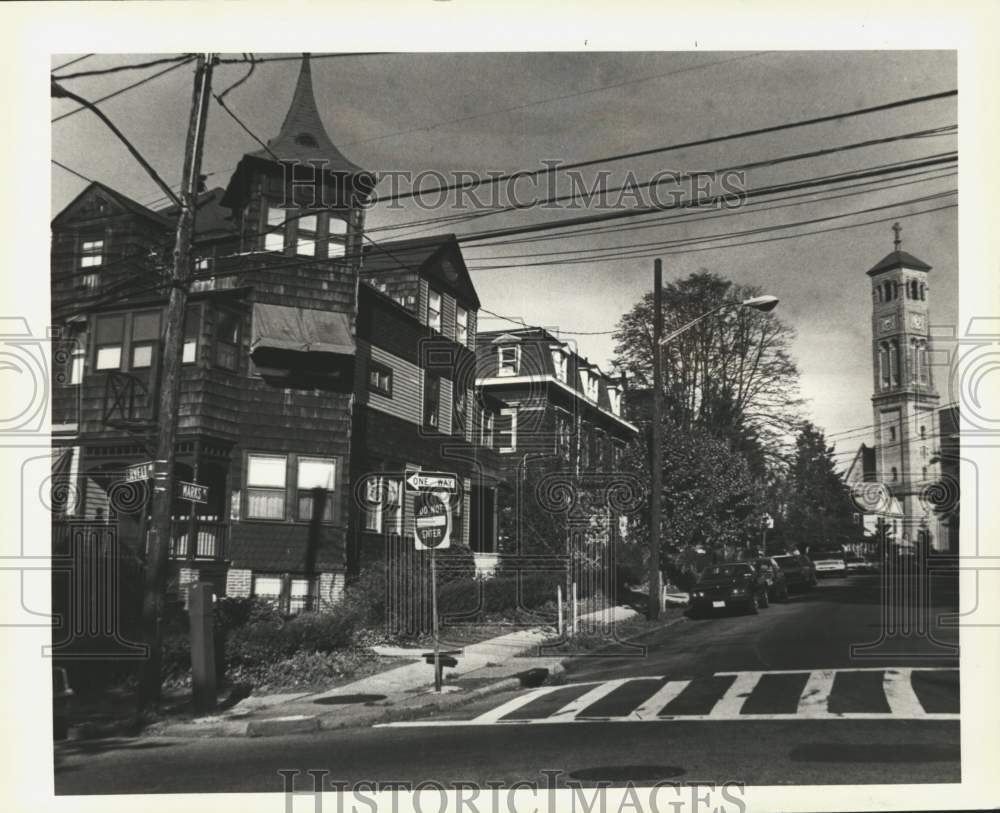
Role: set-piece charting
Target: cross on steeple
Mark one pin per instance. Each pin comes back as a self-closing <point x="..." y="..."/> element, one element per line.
<point x="898" y="242"/>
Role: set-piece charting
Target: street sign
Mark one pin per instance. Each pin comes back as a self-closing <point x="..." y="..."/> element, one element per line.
<point x="140" y="471"/>
<point x="431" y="481"/>
<point x="432" y="521"/>
<point x="195" y="492"/>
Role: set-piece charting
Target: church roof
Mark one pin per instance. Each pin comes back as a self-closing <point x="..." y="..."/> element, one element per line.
<point x="302" y="136"/>
<point x="898" y="259"/>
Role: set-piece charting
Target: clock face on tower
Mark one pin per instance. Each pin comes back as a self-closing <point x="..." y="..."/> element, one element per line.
<point x="917" y="321"/>
<point x="887" y="323"/>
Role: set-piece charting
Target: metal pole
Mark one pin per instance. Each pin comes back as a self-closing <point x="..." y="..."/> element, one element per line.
<point x="173" y="339"/>
<point x="434" y="621"/>
<point x="559" y="605"/>
<point x="656" y="456"/>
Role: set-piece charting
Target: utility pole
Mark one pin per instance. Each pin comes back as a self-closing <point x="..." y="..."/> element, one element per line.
<point x="157" y="559"/>
<point x="656" y="450"/>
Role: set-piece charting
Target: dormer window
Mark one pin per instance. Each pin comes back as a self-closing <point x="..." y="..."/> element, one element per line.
<point x="91" y="259"/>
<point x="615" y="396"/>
<point x="434" y="310"/>
<point x="336" y="243"/>
<point x="461" y="325"/>
<point x="508" y="360"/>
<point x="590" y="383"/>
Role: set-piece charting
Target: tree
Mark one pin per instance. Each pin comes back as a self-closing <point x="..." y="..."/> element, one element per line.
<point x="732" y="374"/>
<point x="818" y="505"/>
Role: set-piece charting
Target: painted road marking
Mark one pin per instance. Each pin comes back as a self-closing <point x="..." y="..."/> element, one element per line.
<point x="811" y="703"/>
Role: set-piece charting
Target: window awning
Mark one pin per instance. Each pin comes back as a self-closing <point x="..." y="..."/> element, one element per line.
<point x="302" y="347"/>
<point x="304" y="330"/>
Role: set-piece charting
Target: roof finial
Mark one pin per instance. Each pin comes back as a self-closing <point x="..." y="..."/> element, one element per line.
<point x="899" y="240"/>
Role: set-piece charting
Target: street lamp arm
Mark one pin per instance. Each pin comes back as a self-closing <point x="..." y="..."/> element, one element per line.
<point x="760" y="303"/>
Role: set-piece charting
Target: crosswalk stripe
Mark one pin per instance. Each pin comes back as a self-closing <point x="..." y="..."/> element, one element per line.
<point x="731" y="703"/>
<point x="815" y="697"/>
<point x="898" y="689"/>
<point x="650" y="708"/>
<point x="574" y="707"/>
<point x="520" y="701"/>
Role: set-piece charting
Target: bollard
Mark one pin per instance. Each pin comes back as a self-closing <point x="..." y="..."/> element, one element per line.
<point x="201" y="612"/>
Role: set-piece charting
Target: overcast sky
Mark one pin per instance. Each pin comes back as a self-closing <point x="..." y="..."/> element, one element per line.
<point x="505" y="112"/>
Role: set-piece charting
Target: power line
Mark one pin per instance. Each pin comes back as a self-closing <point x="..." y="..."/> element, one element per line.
<point x="526" y="105"/>
<point x="339" y="55"/>
<point x="71" y="170"/>
<point x="127" y="88"/>
<point x="134" y="66"/>
<point x="72" y="62"/>
<point x="683" y="145"/>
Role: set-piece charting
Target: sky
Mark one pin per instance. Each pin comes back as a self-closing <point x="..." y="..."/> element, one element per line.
<point x="503" y="112"/>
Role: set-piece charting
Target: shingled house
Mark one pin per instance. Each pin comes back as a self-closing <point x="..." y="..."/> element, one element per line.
<point x="297" y="382"/>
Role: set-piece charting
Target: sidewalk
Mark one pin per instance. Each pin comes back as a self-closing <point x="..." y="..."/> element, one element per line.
<point x="495" y="665"/>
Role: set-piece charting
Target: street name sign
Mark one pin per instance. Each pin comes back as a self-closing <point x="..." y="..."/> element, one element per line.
<point x="195" y="492"/>
<point x="140" y="471"/>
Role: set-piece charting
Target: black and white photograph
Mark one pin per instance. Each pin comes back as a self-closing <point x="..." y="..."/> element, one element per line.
<point x="440" y="422"/>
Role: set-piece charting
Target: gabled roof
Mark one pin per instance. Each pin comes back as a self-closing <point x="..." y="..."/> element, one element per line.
<point x="123" y="201"/>
<point x="302" y="136"/>
<point x="898" y="259"/>
<point x="437" y="257"/>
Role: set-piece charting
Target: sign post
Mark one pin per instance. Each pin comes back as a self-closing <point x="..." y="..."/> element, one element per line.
<point x="432" y="521"/>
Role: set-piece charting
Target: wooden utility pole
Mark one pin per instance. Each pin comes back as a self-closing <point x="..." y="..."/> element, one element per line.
<point x="158" y="557"/>
<point x="656" y="447"/>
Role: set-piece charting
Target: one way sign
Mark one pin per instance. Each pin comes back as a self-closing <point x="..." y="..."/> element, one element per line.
<point x="431" y="481"/>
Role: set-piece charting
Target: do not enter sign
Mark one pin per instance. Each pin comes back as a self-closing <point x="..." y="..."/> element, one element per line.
<point x="432" y="520"/>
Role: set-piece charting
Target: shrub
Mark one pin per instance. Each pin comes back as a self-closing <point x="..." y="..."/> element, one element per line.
<point x="256" y="642"/>
<point x="502" y="594"/>
<point x="324" y="631"/>
<point x="456" y="563"/>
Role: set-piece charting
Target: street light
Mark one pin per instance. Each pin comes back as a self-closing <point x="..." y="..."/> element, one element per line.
<point x="760" y="303"/>
<point x="764" y="303"/>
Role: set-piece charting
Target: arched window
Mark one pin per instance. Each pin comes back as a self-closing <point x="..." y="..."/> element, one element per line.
<point x="923" y="432"/>
<point x="923" y="291"/>
<point x="924" y="472"/>
<point x="883" y="364"/>
<point x="895" y="474"/>
<point x="888" y="291"/>
<point x="894" y="362"/>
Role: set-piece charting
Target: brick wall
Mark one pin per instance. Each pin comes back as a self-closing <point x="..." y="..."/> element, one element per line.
<point x="331" y="587"/>
<point x="238" y="582"/>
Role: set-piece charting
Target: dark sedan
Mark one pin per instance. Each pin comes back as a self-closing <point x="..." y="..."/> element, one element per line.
<point x="798" y="570"/>
<point x="736" y="585"/>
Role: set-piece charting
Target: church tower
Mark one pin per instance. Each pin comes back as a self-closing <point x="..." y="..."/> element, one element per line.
<point x="905" y="399"/>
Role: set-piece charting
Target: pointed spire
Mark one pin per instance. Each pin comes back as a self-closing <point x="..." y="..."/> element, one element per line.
<point x="302" y="136"/>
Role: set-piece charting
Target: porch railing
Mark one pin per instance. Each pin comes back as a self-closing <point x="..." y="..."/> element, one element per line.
<point x="209" y="539"/>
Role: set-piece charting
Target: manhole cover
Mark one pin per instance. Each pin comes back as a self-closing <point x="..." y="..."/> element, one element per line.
<point x="625" y="773"/>
<point x="343" y="699"/>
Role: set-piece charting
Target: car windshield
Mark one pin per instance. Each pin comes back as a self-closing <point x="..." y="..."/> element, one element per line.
<point x="727" y="571"/>
<point x="786" y="561"/>
<point x="826" y="554"/>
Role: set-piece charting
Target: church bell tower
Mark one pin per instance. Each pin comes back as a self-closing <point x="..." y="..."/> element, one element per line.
<point x="905" y="399"/>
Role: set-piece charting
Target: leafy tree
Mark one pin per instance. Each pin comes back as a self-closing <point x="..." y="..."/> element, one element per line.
<point x="818" y="505"/>
<point x="731" y="374"/>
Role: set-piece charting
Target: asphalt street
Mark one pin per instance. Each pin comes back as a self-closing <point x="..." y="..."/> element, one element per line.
<point x="829" y="688"/>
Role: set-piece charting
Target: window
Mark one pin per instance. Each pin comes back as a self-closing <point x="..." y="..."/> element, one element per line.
<point x="77" y="352"/>
<point x="434" y="310"/>
<point x="384" y="511"/>
<point x="145" y="335"/>
<point x="110" y="335"/>
<point x="895" y="474"/>
<point x="615" y="397"/>
<point x="585" y="442"/>
<point x="564" y="436"/>
<point x="202" y="281"/>
<point x="593" y="387"/>
<point x="923" y="432"/>
<point x="507" y="430"/>
<point x="459" y="403"/>
<point x="300" y="596"/>
<point x="337" y="241"/>
<point x="461" y="325"/>
<point x="486" y="430"/>
<point x="380" y="379"/>
<point x="316" y="478"/>
<point x="508" y="360"/>
<point x="266" y="486"/>
<point x="268" y="588"/>
<point x="192" y="324"/>
<point x="227" y="339"/>
<point x="924" y="472"/>
<point x="274" y="239"/>
<point x="559" y="363"/>
<point x="432" y="399"/>
<point x="306" y="238"/>
<point x="91" y="259"/>
<point x="892" y="433"/>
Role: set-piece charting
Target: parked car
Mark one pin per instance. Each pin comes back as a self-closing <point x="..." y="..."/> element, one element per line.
<point x="61" y="698"/>
<point x="728" y="586"/>
<point x="828" y="561"/>
<point x="798" y="570"/>
<point x="774" y="578"/>
<point x="858" y="564"/>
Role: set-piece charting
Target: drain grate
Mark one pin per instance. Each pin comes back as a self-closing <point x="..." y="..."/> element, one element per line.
<point x="345" y="699"/>
<point x="627" y="773"/>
